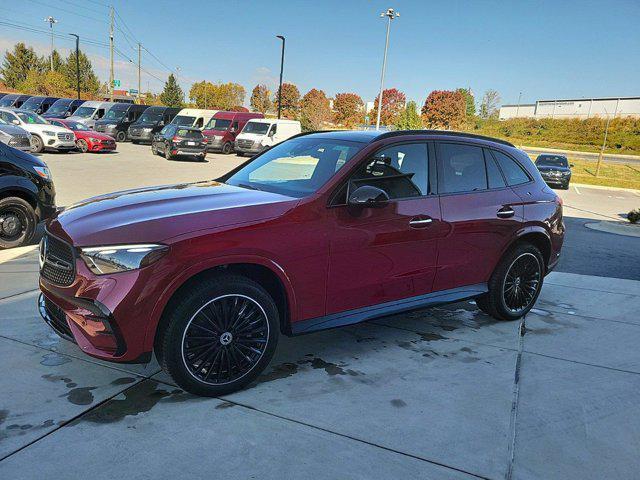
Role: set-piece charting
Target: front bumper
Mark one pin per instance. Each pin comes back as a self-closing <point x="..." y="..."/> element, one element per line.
<point x="556" y="180"/>
<point x="251" y="151"/>
<point x="111" y="131"/>
<point x="140" y="135"/>
<point x="57" y="144"/>
<point x="100" y="147"/>
<point x="106" y="315"/>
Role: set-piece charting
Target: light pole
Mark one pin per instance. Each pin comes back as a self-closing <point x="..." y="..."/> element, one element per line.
<point x="604" y="143"/>
<point x="518" y="107"/>
<point x="77" y="62"/>
<point x="390" y="14"/>
<point x="281" y="71"/>
<point x="50" y="20"/>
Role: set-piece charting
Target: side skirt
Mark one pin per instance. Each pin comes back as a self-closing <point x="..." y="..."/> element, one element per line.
<point x="358" y="315"/>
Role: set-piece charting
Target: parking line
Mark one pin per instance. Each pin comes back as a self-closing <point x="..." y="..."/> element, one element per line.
<point x="577" y="191"/>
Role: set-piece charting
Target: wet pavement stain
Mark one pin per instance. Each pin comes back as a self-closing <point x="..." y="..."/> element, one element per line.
<point x="123" y="381"/>
<point x="398" y="403"/>
<point x="80" y="395"/>
<point x="224" y="405"/>
<point x="279" y="372"/>
<point x="332" y="368"/>
<point x="54" y="359"/>
<point x="59" y="378"/>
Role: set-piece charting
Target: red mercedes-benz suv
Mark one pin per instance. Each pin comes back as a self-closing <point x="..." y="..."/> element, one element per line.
<point x="322" y="230"/>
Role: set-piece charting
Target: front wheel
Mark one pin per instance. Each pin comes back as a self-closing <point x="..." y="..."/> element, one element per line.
<point x="18" y="221"/>
<point x="82" y="145"/>
<point x="227" y="148"/>
<point x="167" y="153"/>
<point x="37" y="146"/>
<point x="515" y="284"/>
<point x="121" y="137"/>
<point x="219" y="336"/>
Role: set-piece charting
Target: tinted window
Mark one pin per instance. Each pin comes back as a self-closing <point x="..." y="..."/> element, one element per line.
<point x="494" y="176"/>
<point x="259" y="128"/>
<point x="400" y="170"/>
<point x="513" y="172"/>
<point x="187" y="133"/>
<point x="461" y="169"/>
<point x="218" y="124"/>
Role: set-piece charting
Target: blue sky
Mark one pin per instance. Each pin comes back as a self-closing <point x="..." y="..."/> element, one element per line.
<point x="544" y="49"/>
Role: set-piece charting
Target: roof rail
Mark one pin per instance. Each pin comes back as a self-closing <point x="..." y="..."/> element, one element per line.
<point x="444" y="133"/>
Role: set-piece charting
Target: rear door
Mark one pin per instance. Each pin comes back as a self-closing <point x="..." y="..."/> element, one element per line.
<point x="385" y="254"/>
<point x="480" y="212"/>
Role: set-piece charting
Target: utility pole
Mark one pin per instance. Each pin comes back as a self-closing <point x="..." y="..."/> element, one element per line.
<point x="281" y="71"/>
<point x="139" y="70"/>
<point x="50" y="20"/>
<point x="518" y="107"/>
<point x="77" y="62"/>
<point x="111" y="77"/>
<point x="604" y="143"/>
<point x="390" y="14"/>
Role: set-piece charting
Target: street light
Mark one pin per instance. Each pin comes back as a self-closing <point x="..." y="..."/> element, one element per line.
<point x="51" y="21"/>
<point x="390" y="14"/>
<point x="281" y="71"/>
<point x="77" y="62"/>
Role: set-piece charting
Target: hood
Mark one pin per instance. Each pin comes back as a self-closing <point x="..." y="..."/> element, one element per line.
<point x="156" y="214"/>
<point x="92" y="134"/>
<point x="144" y="124"/>
<point x="111" y="121"/>
<point x="13" y="130"/>
<point x="23" y="157"/>
<point x="550" y="168"/>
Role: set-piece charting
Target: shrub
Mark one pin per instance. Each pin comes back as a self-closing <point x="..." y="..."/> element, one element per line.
<point x="634" y="215"/>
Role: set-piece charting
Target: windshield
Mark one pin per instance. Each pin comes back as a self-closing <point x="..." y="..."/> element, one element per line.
<point x="218" y="124"/>
<point x="7" y="100"/>
<point x="115" y="113"/>
<point x="31" y="118"/>
<point x="552" y="161"/>
<point x="151" y="115"/>
<point x="259" y="128"/>
<point x="2" y="122"/>
<point x="33" y="103"/>
<point x="183" y="120"/>
<point x="297" y="167"/>
<point x="76" y="126"/>
<point x="84" y="112"/>
<point x="59" y="107"/>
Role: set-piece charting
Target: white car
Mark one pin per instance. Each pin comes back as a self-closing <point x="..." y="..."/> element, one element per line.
<point x="43" y="134"/>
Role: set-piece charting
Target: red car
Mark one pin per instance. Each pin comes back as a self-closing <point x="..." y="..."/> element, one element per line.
<point x="87" y="140"/>
<point x="322" y="230"/>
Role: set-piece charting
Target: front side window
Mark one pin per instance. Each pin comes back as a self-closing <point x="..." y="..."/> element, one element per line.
<point x="297" y="167"/>
<point x="461" y="168"/>
<point x="513" y="172"/>
<point x="402" y="171"/>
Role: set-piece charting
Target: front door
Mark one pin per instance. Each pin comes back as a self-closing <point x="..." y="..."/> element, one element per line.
<point x="480" y="213"/>
<point x="380" y="255"/>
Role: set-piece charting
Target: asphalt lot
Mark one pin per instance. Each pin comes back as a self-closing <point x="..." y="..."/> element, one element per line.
<point x="433" y="394"/>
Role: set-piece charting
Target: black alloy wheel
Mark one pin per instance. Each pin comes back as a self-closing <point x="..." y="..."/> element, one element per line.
<point x="522" y="282"/>
<point x="121" y="136"/>
<point x="227" y="148"/>
<point x="18" y="222"/>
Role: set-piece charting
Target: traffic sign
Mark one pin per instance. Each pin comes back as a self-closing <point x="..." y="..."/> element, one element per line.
<point x="116" y="83"/>
<point x="133" y="91"/>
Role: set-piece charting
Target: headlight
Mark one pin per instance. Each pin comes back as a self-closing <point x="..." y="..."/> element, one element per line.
<point x="43" y="172"/>
<point x="94" y="140"/>
<point x="121" y="258"/>
<point x="50" y="133"/>
<point x="566" y="174"/>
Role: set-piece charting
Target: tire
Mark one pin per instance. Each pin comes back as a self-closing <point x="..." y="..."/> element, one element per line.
<point x="18" y="221"/>
<point x="37" y="146"/>
<point x="167" y="153"/>
<point x="219" y="359"/>
<point x="227" y="148"/>
<point x="121" y="137"/>
<point x="82" y="145"/>
<point x="565" y="186"/>
<point x="503" y="306"/>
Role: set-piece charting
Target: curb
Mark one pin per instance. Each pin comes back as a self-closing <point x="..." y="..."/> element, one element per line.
<point x="604" y="187"/>
<point x="616" y="228"/>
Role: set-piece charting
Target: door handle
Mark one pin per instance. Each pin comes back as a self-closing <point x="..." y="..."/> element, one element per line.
<point x="506" y="212"/>
<point x="420" y="222"/>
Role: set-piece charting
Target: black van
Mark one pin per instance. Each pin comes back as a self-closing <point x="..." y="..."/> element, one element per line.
<point x="151" y="122"/>
<point x="118" y="118"/>
<point x="13" y="100"/>
<point x="39" y="105"/>
<point x="62" y="108"/>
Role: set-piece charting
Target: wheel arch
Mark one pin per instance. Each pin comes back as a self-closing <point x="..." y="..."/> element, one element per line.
<point x="266" y="273"/>
<point x="21" y="188"/>
<point x="537" y="236"/>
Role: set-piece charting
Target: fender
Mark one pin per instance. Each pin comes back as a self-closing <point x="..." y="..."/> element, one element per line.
<point x="525" y="230"/>
<point x="208" y="264"/>
<point x="19" y="184"/>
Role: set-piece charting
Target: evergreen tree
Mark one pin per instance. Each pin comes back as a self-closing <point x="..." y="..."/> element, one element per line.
<point x="409" y="119"/>
<point x="58" y="62"/>
<point x="18" y="63"/>
<point x="172" y="95"/>
<point x="89" y="82"/>
<point x="470" y="104"/>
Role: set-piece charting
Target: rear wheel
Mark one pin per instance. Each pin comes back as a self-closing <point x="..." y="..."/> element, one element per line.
<point x="37" y="146"/>
<point x="219" y="336"/>
<point x="82" y="145"/>
<point x="227" y="148"/>
<point x="167" y="152"/>
<point x="18" y="221"/>
<point x="121" y="137"/>
<point x="515" y="284"/>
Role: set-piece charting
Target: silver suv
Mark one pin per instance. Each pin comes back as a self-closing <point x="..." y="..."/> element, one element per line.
<point x="15" y="136"/>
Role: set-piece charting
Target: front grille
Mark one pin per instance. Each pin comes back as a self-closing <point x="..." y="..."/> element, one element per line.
<point x="65" y="136"/>
<point x="243" y="143"/>
<point x="57" y="260"/>
<point x="107" y="142"/>
<point x="19" y="140"/>
<point x="135" y="131"/>
<point x="57" y="318"/>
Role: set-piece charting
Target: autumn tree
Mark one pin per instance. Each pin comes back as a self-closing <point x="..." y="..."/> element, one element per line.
<point x="172" y="95"/>
<point x="490" y="103"/>
<point x="89" y="82"/>
<point x="444" y="109"/>
<point x="314" y="110"/>
<point x="290" y="100"/>
<point x="18" y="63"/>
<point x="221" y="96"/>
<point x="469" y="100"/>
<point x="260" y="101"/>
<point x="409" y="118"/>
<point x="49" y="83"/>
<point x="348" y="109"/>
<point x="393" y="102"/>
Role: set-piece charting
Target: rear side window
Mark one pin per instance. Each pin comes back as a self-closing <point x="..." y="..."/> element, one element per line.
<point x="462" y="168"/>
<point x="513" y="172"/>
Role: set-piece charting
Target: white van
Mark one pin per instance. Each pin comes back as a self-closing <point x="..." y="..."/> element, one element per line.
<point x="259" y="134"/>
<point x="91" y="111"/>
<point x="193" y="117"/>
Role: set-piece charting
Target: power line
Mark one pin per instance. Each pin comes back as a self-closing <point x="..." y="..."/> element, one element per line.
<point x="71" y="12"/>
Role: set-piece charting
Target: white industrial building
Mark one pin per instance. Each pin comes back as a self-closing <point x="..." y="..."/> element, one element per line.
<point x="574" y="108"/>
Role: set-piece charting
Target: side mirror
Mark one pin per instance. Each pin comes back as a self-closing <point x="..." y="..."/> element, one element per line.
<point x="161" y="124"/>
<point x="571" y="165"/>
<point x="271" y="133"/>
<point x="368" y="196"/>
<point x="15" y="122"/>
